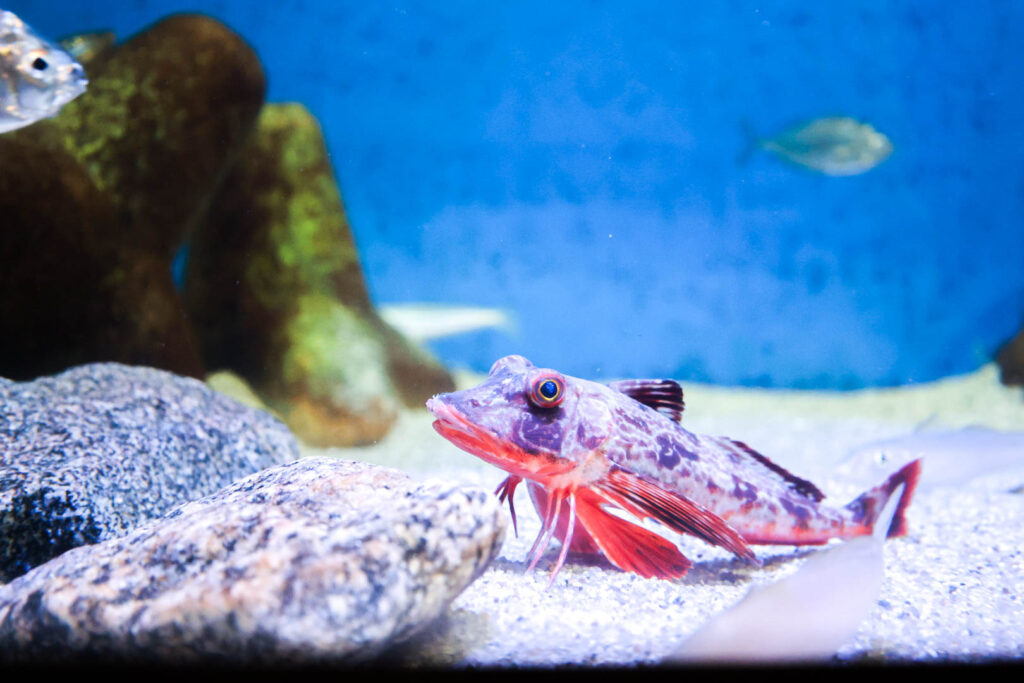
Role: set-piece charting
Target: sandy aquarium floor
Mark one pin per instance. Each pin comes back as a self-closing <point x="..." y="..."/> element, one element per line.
<point x="953" y="589"/>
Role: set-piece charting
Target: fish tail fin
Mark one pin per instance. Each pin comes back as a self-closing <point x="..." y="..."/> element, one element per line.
<point x="867" y="507"/>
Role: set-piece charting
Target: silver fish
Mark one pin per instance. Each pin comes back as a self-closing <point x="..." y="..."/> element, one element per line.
<point x="951" y="458"/>
<point x="835" y="146"/>
<point x="425" y="321"/>
<point x="37" y="78"/>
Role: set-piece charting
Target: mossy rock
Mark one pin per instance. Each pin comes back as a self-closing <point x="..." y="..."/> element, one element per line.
<point x="277" y="292"/>
<point x="97" y="200"/>
<point x="163" y="118"/>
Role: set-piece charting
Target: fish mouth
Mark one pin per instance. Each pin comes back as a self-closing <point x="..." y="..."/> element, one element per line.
<point x="479" y="441"/>
<point x="453" y="425"/>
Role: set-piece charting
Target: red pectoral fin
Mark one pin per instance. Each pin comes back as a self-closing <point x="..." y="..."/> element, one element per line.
<point x="680" y="514"/>
<point x="628" y="546"/>
<point x="507" y="489"/>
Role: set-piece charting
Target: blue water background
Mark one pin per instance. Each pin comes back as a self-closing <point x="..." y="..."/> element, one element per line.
<point x="576" y="163"/>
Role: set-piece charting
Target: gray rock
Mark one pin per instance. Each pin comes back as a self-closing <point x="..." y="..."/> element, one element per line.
<point x="92" y="453"/>
<point x="319" y="560"/>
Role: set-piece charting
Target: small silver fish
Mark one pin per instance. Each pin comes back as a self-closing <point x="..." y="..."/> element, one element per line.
<point x="425" y="321"/>
<point x="835" y="146"/>
<point x="951" y="458"/>
<point x="37" y="78"/>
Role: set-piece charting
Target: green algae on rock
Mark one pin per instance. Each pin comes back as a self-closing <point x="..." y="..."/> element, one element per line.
<point x="105" y="193"/>
<point x="167" y="111"/>
<point x="108" y="192"/>
<point x="277" y="293"/>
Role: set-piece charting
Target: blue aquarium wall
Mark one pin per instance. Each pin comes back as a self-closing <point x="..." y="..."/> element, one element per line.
<point x="587" y="167"/>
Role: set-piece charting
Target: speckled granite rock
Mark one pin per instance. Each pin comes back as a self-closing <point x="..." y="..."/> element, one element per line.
<point x="277" y="294"/>
<point x="91" y="453"/>
<point x="319" y="560"/>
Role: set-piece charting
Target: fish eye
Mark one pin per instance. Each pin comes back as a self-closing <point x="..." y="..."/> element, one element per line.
<point x="40" y="64"/>
<point x="547" y="390"/>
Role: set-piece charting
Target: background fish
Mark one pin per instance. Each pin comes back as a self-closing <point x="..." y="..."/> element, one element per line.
<point x="37" y="78"/>
<point x="836" y="146"/>
<point x="422" y="322"/>
<point x="951" y="458"/>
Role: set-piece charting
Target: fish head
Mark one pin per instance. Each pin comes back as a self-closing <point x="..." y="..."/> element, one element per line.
<point x="874" y="146"/>
<point x="524" y="419"/>
<point x="870" y="462"/>
<point x="37" y="78"/>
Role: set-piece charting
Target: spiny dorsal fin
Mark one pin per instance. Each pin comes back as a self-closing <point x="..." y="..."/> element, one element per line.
<point x="801" y="486"/>
<point x="663" y="395"/>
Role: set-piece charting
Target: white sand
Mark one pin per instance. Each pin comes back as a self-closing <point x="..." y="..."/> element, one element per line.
<point x="953" y="588"/>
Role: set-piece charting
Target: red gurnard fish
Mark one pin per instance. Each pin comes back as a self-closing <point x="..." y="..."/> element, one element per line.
<point x="585" y="448"/>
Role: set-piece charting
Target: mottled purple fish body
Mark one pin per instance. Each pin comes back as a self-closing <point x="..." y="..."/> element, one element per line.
<point x="632" y="427"/>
